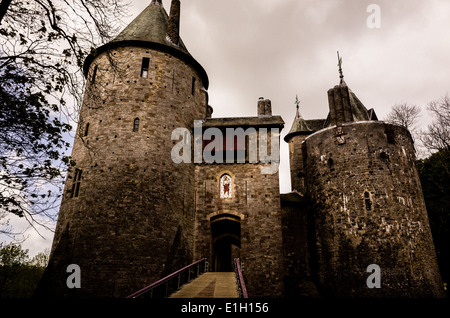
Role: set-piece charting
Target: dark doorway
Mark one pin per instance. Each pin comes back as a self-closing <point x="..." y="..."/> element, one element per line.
<point x="226" y="239"/>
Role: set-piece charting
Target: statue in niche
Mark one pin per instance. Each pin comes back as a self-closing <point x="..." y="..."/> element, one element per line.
<point x="225" y="187"/>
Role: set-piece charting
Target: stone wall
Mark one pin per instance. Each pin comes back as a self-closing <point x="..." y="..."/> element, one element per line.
<point x="296" y="163"/>
<point x="369" y="209"/>
<point x="256" y="201"/>
<point x="255" y="204"/>
<point x="296" y="222"/>
<point x="132" y="220"/>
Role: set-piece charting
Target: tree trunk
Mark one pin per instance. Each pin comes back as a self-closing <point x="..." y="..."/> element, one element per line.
<point x="4" y="5"/>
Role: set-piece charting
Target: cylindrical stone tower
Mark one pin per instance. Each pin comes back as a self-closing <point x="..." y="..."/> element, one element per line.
<point x="369" y="207"/>
<point x="295" y="137"/>
<point x="126" y="218"/>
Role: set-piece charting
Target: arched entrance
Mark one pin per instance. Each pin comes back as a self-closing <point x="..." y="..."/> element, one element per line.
<point x="226" y="241"/>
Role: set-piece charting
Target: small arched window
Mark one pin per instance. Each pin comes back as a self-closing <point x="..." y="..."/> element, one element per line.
<point x="76" y="183"/>
<point x="226" y="187"/>
<point x="145" y="66"/>
<point x="136" y="125"/>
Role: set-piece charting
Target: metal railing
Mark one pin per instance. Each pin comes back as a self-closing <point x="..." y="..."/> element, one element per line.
<point x="172" y="282"/>
<point x="238" y="269"/>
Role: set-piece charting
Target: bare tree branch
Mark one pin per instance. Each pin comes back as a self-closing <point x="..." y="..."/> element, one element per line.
<point x="43" y="45"/>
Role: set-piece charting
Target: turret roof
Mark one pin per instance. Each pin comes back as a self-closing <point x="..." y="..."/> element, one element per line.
<point x="149" y="29"/>
<point x="150" y="26"/>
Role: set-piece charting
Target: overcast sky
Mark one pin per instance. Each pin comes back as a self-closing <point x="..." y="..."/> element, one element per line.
<point x="278" y="49"/>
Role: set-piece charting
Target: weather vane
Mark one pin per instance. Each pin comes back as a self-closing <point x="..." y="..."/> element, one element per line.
<point x="341" y="75"/>
<point x="297" y="102"/>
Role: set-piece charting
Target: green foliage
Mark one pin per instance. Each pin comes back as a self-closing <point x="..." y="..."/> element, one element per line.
<point x="434" y="174"/>
<point x="19" y="276"/>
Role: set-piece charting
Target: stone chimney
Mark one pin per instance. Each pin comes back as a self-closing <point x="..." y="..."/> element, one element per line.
<point x="173" y="28"/>
<point x="264" y="107"/>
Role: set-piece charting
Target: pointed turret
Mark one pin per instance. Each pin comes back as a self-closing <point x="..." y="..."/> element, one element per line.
<point x="344" y="104"/>
<point x="299" y="126"/>
<point x="154" y="29"/>
<point x="154" y="25"/>
<point x="299" y="131"/>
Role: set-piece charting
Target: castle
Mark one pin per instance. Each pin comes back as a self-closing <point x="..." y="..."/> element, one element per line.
<point x="139" y="204"/>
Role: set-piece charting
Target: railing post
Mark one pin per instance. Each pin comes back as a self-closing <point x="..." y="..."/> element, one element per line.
<point x="242" y="290"/>
<point x="165" y="280"/>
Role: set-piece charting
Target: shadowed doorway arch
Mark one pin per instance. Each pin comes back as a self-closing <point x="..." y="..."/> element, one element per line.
<point x="226" y="241"/>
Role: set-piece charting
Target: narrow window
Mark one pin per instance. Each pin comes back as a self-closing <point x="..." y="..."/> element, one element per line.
<point x="136" y="125"/>
<point x="389" y="131"/>
<point x="145" y="66"/>
<point x="367" y="201"/>
<point x="193" y="86"/>
<point x="76" y="184"/>
<point x="86" y="130"/>
<point x="94" y="74"/>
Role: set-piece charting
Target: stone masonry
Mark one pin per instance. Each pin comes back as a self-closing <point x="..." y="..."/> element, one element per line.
<point x="131" y="214"/>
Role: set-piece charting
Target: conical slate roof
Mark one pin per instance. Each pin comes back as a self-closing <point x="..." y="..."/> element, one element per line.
<point x="299" y="127"/>
<point x="359" y="111"/>
<point x="345" y="101"/>
<point x="150" y="30"/>
<point x="150" y="26"/>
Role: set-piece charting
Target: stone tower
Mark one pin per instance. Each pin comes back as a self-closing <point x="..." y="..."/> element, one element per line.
<point x="126" y="218"/>
<point x="368" y="208"/>
<point x="295" y="137"/>
<point x="238" y="211"/>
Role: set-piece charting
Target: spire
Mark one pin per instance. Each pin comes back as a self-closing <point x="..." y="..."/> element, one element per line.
<point x="156" y="2"/>
<point x="297" y="102"/>
<point x="344" y="105"/>
<point x="299" y="126"/>
<point x="173" y="28"/>
<point x="341" y="74"/>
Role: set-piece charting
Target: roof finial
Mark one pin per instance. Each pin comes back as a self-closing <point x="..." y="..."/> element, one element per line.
<point x="341" y="74"/>
<point x="157" y="2"/>
<point x="297" y="102"/>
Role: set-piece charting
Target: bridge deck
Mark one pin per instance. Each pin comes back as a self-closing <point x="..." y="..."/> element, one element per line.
<point x="210" y="285"/>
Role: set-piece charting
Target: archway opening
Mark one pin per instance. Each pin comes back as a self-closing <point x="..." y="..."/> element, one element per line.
<point x="226" y="241"/>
